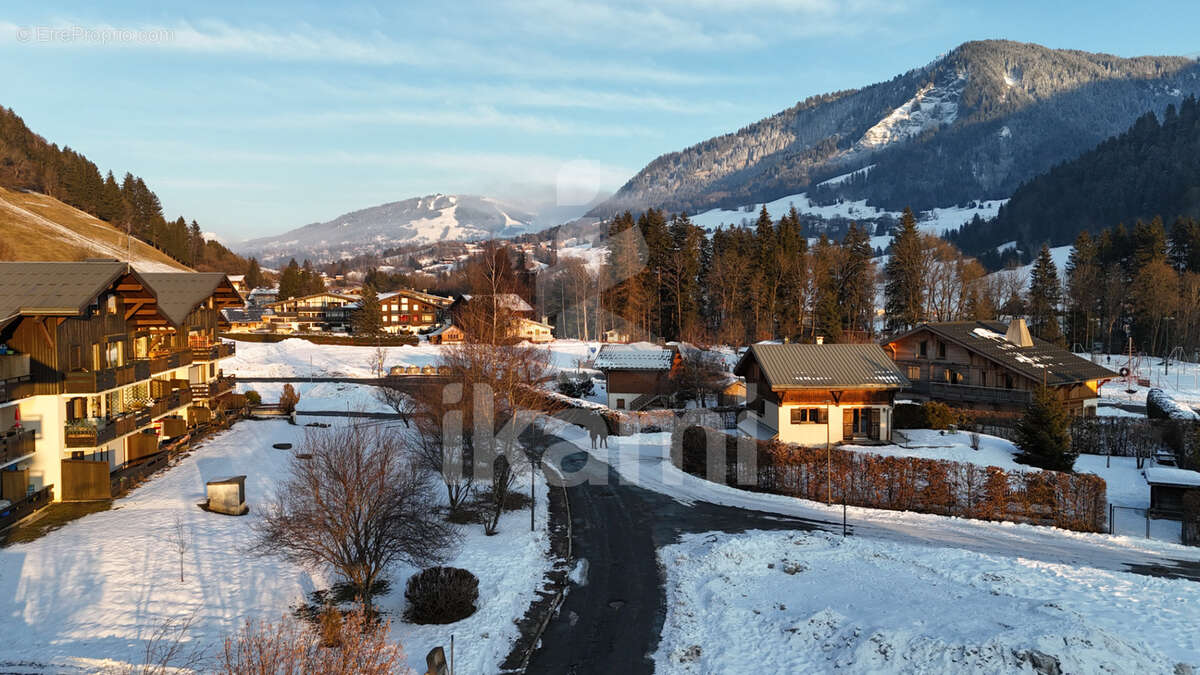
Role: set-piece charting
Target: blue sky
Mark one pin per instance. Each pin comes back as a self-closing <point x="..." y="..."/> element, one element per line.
<point x="254" y="118"/>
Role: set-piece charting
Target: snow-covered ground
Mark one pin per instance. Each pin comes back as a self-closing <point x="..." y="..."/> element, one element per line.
<point x="1180" y="380"/>
<point x="323" y="396"/>
<point x="295" y="357"/>
<point x="793" y="602"/>
<point x="98" y="588"/>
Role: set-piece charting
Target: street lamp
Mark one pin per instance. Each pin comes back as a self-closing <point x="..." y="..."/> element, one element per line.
<point x="828" y="458"/>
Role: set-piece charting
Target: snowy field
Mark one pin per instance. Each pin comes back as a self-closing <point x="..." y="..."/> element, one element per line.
<point x="804" y="603"/>
<point x="1180" y="380"/>
<point x="92" y="592"/>
<point x="323" y="396"/>
<point x="300" y="358"/>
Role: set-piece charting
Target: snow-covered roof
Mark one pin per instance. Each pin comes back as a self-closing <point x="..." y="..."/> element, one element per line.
<point x="636" y="356"/>
<point x="1169" y="475"/>
<point x="509" y="301"/>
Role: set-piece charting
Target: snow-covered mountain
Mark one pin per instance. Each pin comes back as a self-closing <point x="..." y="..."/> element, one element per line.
<point x="969" y="127"/>
<point x="420" y="220"/>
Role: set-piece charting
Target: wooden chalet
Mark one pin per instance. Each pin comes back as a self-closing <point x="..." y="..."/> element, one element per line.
<point x="95" y="357"/>
<point x="817" y="394"/>
<point x="638" y="375"/>
<point x="315" y="313"/>
<point x="987" y="365"/>
<point x="408" y="311"/>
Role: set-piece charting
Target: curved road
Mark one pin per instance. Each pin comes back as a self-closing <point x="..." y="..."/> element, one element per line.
<point x="611" y="623"/>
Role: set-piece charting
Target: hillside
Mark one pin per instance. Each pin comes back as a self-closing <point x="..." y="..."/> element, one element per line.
<point x="370" y="231"/>
<point x="30" y="163"/>
<point x="1153" y="169"/>
<point x="972" y="125"/>
<point x="37" y="227"/>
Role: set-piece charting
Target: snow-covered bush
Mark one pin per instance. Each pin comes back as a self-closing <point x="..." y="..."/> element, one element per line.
<point x="440" y="595"/>
<point x="1161" y="406"/>
<point x="575" y="386"/>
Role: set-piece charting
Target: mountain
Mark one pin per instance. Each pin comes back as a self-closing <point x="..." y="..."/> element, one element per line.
<point x="972" y="125"/>
<point x="420" y="220"/>
<point x="38" y="227"/>
<point x="1152" y="169"/>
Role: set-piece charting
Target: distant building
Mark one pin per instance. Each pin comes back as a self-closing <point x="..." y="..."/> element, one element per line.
<point x="448" y="334"/>
<point x="638" y="375"/>
<point x="244" y="320"/>
<point x="239" y="284"/>
<point x="409" y="311"/>
<point x="987" y="365"/>
<point x="813" y="394"/>
<point x="309" y="313"/>
<point x="533" y="331"/>
<point x="261" y="297"/>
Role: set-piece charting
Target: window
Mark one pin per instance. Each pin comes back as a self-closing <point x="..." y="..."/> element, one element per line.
<point x="808" y="415"/>
<point x="923" y="349"/>
<point x="914" y="373"/>
<point x="620" y="404"/>
<point x="941" y="350"/>
<point x="983" y="378"/>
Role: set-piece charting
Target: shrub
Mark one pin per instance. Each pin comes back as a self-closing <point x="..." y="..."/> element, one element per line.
<point x="938" y="415"/>
<point x="253" y="397"/>
<point x="288" y="399"/>
<point x="440" y="595"/>
<point x="909" y="416"/>
<point x="576" y="386"/>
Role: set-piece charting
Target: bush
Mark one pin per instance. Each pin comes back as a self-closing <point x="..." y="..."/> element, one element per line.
<point x="938" y="415"/>
<point x="440" y="595"/>
<point x="579" y="386"/>
<point x="253" y="397"/>
<point x="908" y="416"/>
<point x="288" y="399"/>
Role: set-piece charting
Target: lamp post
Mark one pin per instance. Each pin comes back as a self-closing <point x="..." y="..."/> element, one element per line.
<point x="828" y="458"/>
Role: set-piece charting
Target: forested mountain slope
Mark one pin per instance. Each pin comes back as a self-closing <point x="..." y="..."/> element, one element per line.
<point x="972" y="125"/>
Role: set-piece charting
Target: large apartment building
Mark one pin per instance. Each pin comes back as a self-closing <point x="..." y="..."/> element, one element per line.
<point x="95" y="357"/>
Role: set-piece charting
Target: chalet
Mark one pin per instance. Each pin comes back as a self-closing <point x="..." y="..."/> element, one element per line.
<point x="309" y="313"/>
<point x="407" y="311"/>
<point x="533" y="331"/>
<point x="638" y="375"/>
<point x="510" y="302"/>
<point x="244" y="319"/>
<point x="986" y="365"/>
<point x="819" y="394"/>
<point x="96" y="358"/>
<point x="448" y="334"/>
<point x="239" y="284"/>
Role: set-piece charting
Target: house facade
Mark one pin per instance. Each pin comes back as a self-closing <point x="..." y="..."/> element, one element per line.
<point x="987" y="365"/>
<point x="408" y="311"/>
<point x="309" y="313"/>
<point x="99" y="363"/>
<point x="533" y="331"/>
<point x="819" y="394"/>
<point x="638" y="375"/>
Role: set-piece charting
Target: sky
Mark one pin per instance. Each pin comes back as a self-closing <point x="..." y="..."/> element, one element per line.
<point x="257" y="117"/>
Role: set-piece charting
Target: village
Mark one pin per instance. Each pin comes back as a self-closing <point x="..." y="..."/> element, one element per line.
<point x="128" y="398"/>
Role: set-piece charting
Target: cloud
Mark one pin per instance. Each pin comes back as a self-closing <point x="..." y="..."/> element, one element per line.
<point x="480" y="116"/>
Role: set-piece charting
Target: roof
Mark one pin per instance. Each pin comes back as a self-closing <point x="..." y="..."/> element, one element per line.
<point x="244" y="315"/>
<point x="841" y="366"/>
<point x="57" y="288"/>
<point x="637" y="356"/>
<point x="987" y="338"/>
<point x="510" y="301"/>
<point x="299" y="298"/>
<point x="179" y="293"/>
<point x="1168" y="475"/>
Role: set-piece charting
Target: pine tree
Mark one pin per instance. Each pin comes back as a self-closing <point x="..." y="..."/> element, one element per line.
<point x="903" y="290"/>
<point x="1045" y="295"/>
<point x="369" y="318"/>
<point x="1044" y="433"/>
<point x="254" y="276"/>
<point x="290" y="282"/>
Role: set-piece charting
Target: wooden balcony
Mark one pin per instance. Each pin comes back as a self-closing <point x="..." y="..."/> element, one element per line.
<point x="15" y="380"/>
<point x="93" y="433"/>
<point x="213" y="352"/>
<point x="169" y="361"/>
<point x="16" y="444"/>
<point x="213" y="389"/>
<point x="965" y="393"/>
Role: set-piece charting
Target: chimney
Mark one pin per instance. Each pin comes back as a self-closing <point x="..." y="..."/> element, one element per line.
<point x="820" y="339"/>
<point x="1018" y="333"/>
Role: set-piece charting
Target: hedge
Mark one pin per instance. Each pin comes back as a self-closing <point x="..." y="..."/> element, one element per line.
<point x="317" y="339"/>
<point x="1071" y="501"/>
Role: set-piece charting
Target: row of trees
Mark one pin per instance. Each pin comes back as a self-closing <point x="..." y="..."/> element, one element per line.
<point x="28" y="162"/>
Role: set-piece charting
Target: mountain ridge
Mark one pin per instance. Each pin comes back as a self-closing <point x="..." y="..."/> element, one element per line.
<point x="970" y="125"/>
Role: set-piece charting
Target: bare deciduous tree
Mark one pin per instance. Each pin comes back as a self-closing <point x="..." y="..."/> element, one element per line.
<point x="396" y="399"/>
<point x="180" y="540"/>
<point x="288" y="399"/>
<point x="378" y="361"/>
<point x="359" y="505"/>
<point x="700" y="373"/>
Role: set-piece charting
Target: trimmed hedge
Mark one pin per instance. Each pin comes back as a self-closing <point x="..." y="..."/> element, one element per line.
<point x="440" y="595"/>
<point x="317" y="339"/>
<point x="1071" y="501"/>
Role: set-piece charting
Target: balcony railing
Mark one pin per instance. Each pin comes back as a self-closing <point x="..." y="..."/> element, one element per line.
<point x="169" y="361"/>
<point x="15" y="444"/>
<point x="23" y="507"/>
<point x="92" y="381"/>
<point x="215" y="388"/>
<point x="967" y="393"/>
<point x="91" y="433"/>
<point x="213" y="352"/>
<point x="14" y="377"/>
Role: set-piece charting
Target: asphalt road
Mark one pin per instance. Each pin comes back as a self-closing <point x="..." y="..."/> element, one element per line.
<point x="611" y="624"/>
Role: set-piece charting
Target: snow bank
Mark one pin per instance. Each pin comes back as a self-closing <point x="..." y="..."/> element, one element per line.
<point x="1162" y="406"/>
<point x="815" y="602"/>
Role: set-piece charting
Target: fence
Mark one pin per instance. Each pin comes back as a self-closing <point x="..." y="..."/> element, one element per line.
<point x="1135" y="522"/>
<point x="1071" y="501"/>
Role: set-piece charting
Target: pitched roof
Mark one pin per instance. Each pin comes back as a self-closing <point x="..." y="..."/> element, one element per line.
<point x="805" y="366"/>
<point x="62" y="288"/>
<point x="987" y="338"/>
<point x="510" y="301"/>
<point x="637" y="356"/>
<point x="179" y="293"/>
<point x="240" y="315"/>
